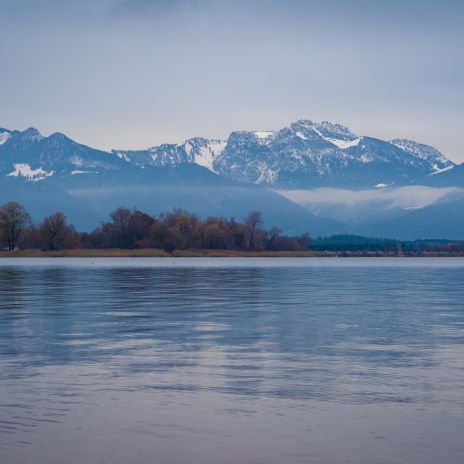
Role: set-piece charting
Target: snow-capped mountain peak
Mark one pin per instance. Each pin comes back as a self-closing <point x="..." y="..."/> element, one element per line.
<point x="308" y="154"/>
<point x="335" y="131"/>
<point x="335" y="134"/>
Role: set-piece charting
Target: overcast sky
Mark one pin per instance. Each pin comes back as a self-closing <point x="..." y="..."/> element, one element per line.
<point x="136" y="73"/>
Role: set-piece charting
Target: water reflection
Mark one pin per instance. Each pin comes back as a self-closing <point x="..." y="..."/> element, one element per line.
<point x="232" y="346"/>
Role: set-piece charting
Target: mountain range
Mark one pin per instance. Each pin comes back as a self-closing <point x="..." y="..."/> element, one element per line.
<point x="302" y="156"/>
<point x="250" y="170"/>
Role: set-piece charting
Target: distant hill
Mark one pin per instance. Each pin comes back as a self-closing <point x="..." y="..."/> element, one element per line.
<point x="442" y="219"/>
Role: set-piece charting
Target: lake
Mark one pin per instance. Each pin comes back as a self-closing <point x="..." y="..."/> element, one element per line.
<point x="236" y="360"/>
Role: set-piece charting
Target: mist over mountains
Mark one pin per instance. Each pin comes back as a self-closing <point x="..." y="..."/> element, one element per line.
<point x="316" y="177"/>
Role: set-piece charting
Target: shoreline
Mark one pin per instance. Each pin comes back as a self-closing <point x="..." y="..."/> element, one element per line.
<point x="157" y="253"/>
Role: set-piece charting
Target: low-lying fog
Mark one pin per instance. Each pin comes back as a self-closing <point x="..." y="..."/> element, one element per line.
<point x="361" y="205"/>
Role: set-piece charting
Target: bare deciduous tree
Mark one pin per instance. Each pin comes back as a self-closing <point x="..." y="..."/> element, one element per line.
<point x="13" y="219"/>
<point x="53" y="231"/>
<point x="254" y="221"/>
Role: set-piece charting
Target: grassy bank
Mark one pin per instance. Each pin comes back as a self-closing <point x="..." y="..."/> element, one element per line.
<point x="157" y="253"/>
<point x="150" y="253"/>
<point x="85" y="253"/>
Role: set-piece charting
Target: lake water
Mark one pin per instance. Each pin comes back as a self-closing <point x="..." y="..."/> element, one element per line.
<point x="211" y="361"/>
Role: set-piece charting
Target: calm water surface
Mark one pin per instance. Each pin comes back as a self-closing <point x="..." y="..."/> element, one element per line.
<point x="210" y="361"/>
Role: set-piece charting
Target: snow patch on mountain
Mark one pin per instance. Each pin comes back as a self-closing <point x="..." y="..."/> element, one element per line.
<point x="264" y="135"/>
<point x="344" y="144"/>
<point x="439" y="171"/>
<point x="25" y="170"/>
<point x="4" y="136"/>
<point x="267" y="176"/>
<point x="75" y="173"/>
<point x="206" y="154"/>
<point x="122" y="156"/>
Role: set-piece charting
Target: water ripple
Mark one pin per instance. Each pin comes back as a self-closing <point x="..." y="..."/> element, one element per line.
<point x="258" y="356"/>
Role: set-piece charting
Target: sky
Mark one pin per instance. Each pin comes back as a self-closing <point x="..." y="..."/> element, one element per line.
<point x="137" y="73"/>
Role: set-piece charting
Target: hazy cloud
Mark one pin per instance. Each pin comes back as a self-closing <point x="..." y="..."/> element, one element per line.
<point x="404" y="197"/>
<point x="350" y="205"/>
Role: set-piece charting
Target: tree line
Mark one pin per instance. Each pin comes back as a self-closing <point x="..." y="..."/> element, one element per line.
<point x="357" y="243"/>
<point x="180" y="230"/>
<point x="132" y="228"/>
